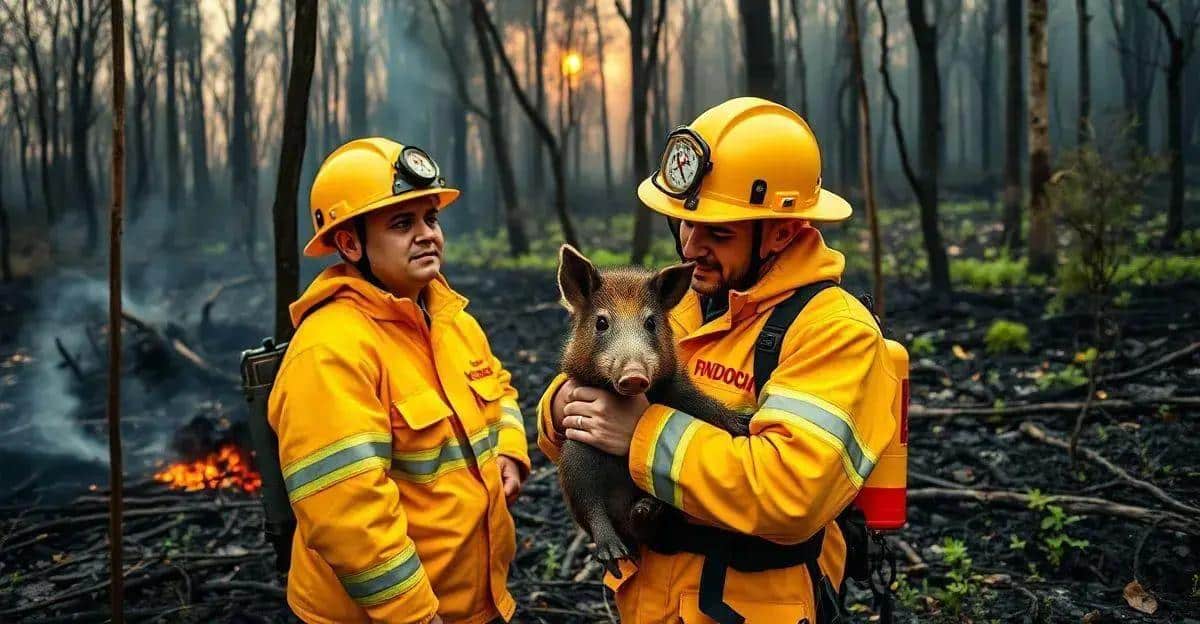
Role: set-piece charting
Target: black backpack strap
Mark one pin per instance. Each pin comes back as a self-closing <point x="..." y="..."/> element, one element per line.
<point x="770" y="339"/>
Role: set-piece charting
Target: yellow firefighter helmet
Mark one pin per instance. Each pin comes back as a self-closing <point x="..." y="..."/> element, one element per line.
<point x="745" y="159"/>
<point x="365" y="175"/>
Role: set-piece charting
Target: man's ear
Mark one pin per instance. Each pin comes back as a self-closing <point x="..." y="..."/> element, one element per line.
<point x="779" y="233"/>
<point x="345" y="239"/>
<point x="578" y="278"/>
<point x="672" y="283"/>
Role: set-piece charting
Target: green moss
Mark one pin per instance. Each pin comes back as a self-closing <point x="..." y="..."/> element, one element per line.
<point x="1007" y="337"/>
<point x="1000" y="273"/>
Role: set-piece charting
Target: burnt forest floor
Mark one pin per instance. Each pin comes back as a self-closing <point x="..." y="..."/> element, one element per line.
<point x="989" y="538"/>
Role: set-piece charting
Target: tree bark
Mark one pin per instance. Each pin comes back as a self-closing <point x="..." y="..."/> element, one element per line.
<point x="239" y="144"/>
<point x="291" y="157"/>
<point x="5" y="234"/>
<point x="607" y="135"/>
<point x="202" y="190"/>
<point x="33" y="57"/>
<point x="85" y="30"/>
<point x="518" y="241"/>
<point x="757" y="43"/>
<point x="23" y="136"/>
<point x="171" y="100"/>
<point x="113" y="406"/>
<point x="1085" y="74"/>
<point x="930" y="124"/>
<point x="1179" y="43"/>
<point x="356" y="71"/>
<point x="801" y="68"/>
<point x="1041" y="221"/>
<point x="537" y="156"/>
<point x="1014" y="118"/>
<point x="864" y="136"/>
<point x="643" y="55"/>
<point x="987" y="91"/>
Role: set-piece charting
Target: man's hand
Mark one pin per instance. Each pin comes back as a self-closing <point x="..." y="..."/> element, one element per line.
<point x="558" y="406"/>
<point x="603" y="419"/>
<point x="510" y="477"/>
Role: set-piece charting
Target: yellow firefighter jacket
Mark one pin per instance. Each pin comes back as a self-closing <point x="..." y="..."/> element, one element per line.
<point x="821" y="421"/>
<point x="388" y="428"/>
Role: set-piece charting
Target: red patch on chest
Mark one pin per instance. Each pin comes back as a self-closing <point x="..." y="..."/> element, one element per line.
<point x="724" y="374"/>
<point x="479" y="374"/>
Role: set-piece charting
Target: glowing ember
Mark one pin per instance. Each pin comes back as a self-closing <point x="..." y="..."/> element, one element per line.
<point x="228" y="467"/>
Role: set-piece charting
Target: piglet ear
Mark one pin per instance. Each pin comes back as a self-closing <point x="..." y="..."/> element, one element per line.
<point x="578" y="278"/>
<point x="672" y="283"/>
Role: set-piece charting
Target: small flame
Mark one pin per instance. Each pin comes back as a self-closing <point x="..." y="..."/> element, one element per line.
<point x="226" y="468"/>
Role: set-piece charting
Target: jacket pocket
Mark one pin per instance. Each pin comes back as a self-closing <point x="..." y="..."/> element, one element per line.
<point x="487" y="388"/>
<point x="422" y="409"/>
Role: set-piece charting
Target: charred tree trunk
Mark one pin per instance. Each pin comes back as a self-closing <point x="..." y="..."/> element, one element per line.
<point x="518" y="241"/>
<point x="853" y="33"/>
<point x="1014" y="122"/>
<point x="801" y="68"/>
<point x="458" y="112"/>
<point x="45" y="137"/>
<point x="643" y="54"/>
<point x="987" y="91"/>
<point x="23" y="136"/>
<point x="1179" y="43"/>
<point x="285" y="71"/>
<point x="356" y="71"/>
<point x="757" y="41"/>
<point x="89" y="23"/>
<point x="537" y="156"/>
<point x="608" y="170"/>
<point x="1041" y="221"/>
<point x="1085" y="74"/>
<point x="291" y="157"/>
<point x="779" y="21"/>
<point x="113" y="406"/>
<point x="239" y="144"/>
<point x="202" y="190"/>
<point x="1138" y="58"/>
<point x="930" y="124"/>
<point x="171" y="102"/>
<point x="5" y="234"/>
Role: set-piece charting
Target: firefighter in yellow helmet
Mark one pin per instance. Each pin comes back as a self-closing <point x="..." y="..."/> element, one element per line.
<point x="400" y="437"/>
<point x="761" y="545"/>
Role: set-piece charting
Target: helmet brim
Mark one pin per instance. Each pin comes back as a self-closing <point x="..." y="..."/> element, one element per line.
<point x="318" y="246"/>
<point x="829" y="207"/>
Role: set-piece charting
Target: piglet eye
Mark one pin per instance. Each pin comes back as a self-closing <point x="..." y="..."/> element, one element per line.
<point x="649" y="324"/>
<point x="601" y="324"/>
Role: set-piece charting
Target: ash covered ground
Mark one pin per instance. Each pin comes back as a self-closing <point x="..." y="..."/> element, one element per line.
<point x="967" y="555"/>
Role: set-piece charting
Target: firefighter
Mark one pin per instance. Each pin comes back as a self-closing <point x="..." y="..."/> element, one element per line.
<point x="743" y="185"/>
<point x="400" y="437"/>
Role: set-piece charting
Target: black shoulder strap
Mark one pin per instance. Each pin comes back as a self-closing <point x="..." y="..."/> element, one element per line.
<point x="770" y="339"/>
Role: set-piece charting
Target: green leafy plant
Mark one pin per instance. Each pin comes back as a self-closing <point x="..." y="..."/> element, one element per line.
<point x="550" y="561"/>
<point x="1007" y="337"/>
<point x="963" y="585"/>
<point x="1052" y="532"/>
<point x="922" y="346"/>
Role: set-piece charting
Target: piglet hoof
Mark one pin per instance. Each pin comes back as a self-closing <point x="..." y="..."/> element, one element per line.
<point x="609" y="554"/>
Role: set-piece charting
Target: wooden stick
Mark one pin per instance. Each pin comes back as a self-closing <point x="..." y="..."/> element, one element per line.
<point x="1038" y="434"/>
<point x="1166" y="359"/>
<point x="116" y="580"/>
<point x="1075" y="504"/>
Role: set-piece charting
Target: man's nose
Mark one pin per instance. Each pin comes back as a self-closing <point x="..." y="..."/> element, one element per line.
<point x="692" y="247"/>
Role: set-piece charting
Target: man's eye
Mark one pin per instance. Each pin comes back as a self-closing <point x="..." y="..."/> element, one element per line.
<point x="431" y="219"/>
<point x="402" y="225"/>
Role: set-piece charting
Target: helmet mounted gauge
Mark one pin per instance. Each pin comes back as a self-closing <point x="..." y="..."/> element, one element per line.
<point x="685" y="161"/>
<point x="415" y="170"/>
